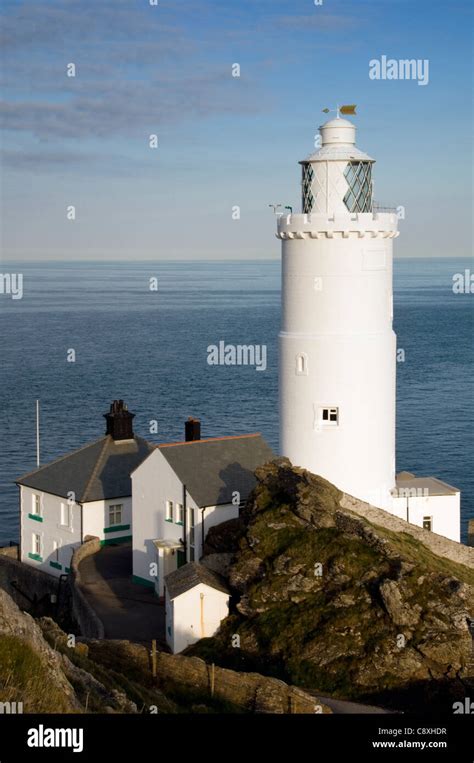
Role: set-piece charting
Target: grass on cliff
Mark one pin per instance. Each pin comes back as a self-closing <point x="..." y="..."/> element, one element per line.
<point x="290" y="623"/>
<point x="128" y="671"/>
<point x="24" y="678"/>
<point x="415" y="551"/>
<point x="115" y="676"/>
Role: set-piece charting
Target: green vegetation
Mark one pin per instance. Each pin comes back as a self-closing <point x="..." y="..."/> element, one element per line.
<point x="123" y="668"/>
<point x="323" y="597"/>
<point x="24" y="678"/>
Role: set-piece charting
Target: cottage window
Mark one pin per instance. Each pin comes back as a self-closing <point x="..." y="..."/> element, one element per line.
<point x="65" y="514"/>
<point x="427" y="523"/>
<point x="330" y="416"/>
<point x="191" y="515"/>
<point x="169" y="511"/>
<point x="36" y="505"/>
<point x="36" y="544"/>
<point x="115" y="514"/>
<point x="179" y="513"/>
<point x="56" y="547"/>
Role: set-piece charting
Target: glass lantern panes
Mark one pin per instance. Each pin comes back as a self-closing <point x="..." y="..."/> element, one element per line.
<point x="359" y="195"/>
<point x="308" y="198"/>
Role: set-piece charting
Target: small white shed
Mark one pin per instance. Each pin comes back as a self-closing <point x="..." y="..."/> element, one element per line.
<point x="197" y="600"/>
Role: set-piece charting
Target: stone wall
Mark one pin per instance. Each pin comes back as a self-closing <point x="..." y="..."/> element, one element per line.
<point x="13" y="552"/>
<point x="470" y="533"/>
<point x="439" y="545"/>
<point x="250" y="691"/>
<point x="89" y="623"/>
<point x="26" y="585"/>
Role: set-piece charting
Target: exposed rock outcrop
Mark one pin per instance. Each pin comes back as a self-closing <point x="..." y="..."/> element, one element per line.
<point x="31" y="671"/>
<point x="330" y="601"/>
<point x="48" y="670"/>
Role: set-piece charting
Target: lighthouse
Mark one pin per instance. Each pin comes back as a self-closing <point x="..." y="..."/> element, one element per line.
<point x="337" y="346"/>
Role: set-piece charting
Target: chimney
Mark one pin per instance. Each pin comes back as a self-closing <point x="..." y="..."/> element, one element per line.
<point x="119" y="421"/>
<point x="192" y="429"/>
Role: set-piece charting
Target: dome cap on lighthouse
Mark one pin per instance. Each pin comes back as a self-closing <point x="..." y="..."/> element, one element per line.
<point x="338" y="143"/>
<point x="338" y="131"/>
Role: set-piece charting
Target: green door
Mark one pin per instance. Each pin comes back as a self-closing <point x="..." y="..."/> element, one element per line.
<point x="181" y="558"/>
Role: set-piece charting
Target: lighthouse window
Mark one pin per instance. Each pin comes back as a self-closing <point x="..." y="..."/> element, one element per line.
<point x="359" y="179"/>
<point x="330" y="415"/>
<point x="302" y="364"/>
<point x="307" y="181"/>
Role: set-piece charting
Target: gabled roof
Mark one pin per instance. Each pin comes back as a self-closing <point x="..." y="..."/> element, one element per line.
<point x="214" y="469"/>
<point x="97" y="471"/>
<point x="432" y="485"/>
<point x="190" y="575"/>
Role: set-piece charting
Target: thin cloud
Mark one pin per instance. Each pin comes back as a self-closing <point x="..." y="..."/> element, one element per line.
<point x="318" y="21"/>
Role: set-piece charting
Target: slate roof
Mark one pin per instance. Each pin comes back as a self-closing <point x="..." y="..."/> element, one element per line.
<point x="432" y="485"/>
<point x="98" y="471"/>
<point x="213" y="469"/>
<point x="190" y="575"/>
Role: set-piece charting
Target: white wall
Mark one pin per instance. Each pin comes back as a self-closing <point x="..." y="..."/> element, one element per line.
<point x="445" y="511"/>
<point x="49" y="529"/>
<point x="337" y="310"/>
<point x="96" y="519"/>
<point x="191" y="617"/>
<point x="153" y="484"/>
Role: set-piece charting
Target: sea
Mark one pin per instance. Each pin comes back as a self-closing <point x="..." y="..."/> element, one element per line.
<point x="86" y="333"/>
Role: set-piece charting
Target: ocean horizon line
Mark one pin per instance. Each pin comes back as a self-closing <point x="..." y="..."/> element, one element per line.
<point x="197" y="260"/>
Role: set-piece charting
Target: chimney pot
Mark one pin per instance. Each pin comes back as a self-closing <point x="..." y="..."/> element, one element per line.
<point x="119" y="421"/>
<point x="192" y="429"/>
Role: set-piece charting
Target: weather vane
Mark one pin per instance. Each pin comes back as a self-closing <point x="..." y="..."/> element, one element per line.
<point x="275" y="207"/>
<point x="348" y="109"/>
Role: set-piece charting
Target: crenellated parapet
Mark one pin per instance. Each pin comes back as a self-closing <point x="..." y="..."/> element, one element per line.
<point x="318" y="226"/>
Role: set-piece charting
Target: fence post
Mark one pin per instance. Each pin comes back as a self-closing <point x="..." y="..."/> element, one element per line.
<point x="213" y="678"/>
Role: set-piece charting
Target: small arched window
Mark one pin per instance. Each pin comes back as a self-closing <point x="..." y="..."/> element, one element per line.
<point x="302" y="364"/>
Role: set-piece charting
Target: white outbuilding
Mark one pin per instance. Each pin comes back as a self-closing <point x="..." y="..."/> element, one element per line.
<point x="429" y="503"/>
<point x="197" y="600"/>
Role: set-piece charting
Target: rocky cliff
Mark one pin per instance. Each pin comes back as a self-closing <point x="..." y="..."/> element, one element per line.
<point x="44" y="670"/>
<point x="327" y="600"/>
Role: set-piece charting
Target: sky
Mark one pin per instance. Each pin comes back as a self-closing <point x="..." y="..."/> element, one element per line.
<point x="223" y="141"/>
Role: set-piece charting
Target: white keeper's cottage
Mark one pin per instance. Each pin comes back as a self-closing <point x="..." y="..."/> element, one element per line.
<point x="196" y="601"/>
<point x="181" y="490"/>
<point x="86" y="492"/>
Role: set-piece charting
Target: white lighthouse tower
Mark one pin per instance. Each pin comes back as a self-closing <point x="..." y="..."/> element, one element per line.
<point x="337" y="345"/>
